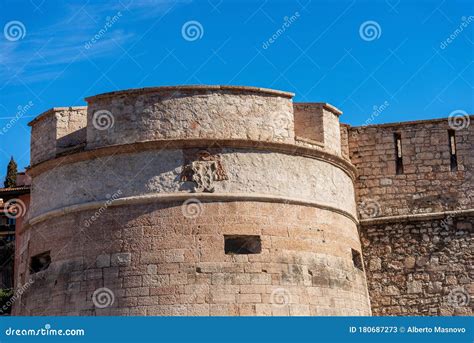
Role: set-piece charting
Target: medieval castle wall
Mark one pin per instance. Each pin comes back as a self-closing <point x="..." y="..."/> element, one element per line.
<point x="416" y="226"/>
<point x="142" y="193"/>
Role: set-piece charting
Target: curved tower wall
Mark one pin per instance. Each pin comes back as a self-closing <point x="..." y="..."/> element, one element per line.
<point x="142" y="205"/>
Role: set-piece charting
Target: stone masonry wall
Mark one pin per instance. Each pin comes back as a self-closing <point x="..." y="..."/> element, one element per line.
<point x="427" y="183"/>
<point x="420" y="268"/>
<point x="416" y="265"/>
<point x="157" y="261"/>
<point x="309" y="121"/>
<point x="43" y="140"/>
<point x="249" y="171"/>
<point x="345" y="141"/>
<point x="71" y="128"/>
<point x="332" y="130"/>
<point x="318" y="122"/>
<point x="56" y="131"/>
<point x="185" y="114"/>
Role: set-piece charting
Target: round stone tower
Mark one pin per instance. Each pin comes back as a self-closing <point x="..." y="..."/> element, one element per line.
<point x="191" y="200"/>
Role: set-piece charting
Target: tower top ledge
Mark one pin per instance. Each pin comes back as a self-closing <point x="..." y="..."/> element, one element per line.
<point x="194" y="88"/>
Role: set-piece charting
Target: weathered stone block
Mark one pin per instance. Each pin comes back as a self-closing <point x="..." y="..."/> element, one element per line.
<point x="121" y="259"/>
<point x="103" y="261"/>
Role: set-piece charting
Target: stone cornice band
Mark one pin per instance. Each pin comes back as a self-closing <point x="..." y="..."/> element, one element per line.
<point x="193" y="88"/>
<point x="415" y="217"/>
<point x="170" y="197"/>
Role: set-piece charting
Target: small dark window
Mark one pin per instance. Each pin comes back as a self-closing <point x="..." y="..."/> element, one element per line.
<point x="40" y="262"/>
<point x="242" y="244"/>
<point x="452" y="150"/>
<point x="398" y="153"/>
<point x="357" y="259"/>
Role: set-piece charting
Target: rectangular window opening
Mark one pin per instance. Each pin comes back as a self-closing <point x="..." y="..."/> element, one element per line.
<point x="452" y="150"/>
<point x="398" y="153"/>
<point x="357" y="259"/>
<point x="242" y="244"/>
<point x="40" y="262"/>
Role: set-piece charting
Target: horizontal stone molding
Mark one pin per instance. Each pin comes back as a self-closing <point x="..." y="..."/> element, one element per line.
<point x="401" y="124"/>
<point x="416" y="217"/>
<point x="285" y="148"/>
<point x="204" y="197"/>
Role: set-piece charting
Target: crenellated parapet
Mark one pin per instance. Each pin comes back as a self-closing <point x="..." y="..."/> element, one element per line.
<point x="56" y="131"/>
<point x="318" y="123"/>
<point x="185" y="113"/>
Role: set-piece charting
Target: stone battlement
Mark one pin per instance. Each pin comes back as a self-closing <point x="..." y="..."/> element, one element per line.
<point x="185" y="112"/>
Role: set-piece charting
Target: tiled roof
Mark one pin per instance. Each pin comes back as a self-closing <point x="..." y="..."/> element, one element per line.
<point x="13" y="190"/>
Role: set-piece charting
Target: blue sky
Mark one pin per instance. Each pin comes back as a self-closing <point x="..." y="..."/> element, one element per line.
<point x="389" y="56"/>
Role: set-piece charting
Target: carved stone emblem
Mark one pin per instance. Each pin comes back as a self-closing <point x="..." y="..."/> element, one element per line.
<point x="203" y="169"/>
